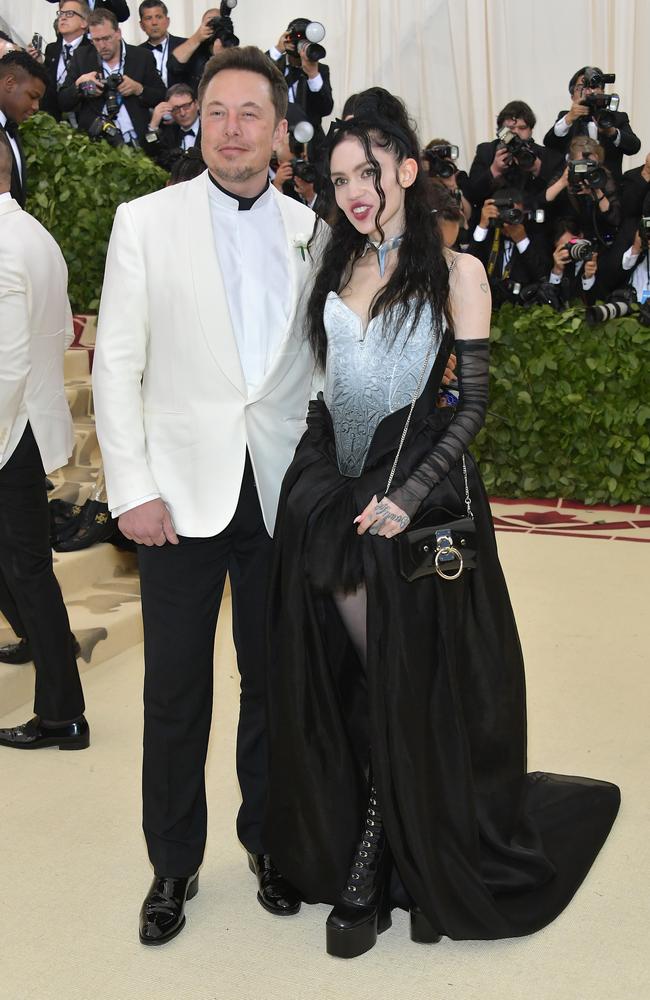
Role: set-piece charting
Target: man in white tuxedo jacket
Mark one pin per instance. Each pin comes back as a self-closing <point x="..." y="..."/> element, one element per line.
<point x="201" y="383"/>
<point x="36" y="437"/>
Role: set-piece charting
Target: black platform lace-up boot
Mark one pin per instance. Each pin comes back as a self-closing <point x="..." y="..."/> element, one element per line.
<point x="363" y="910"/>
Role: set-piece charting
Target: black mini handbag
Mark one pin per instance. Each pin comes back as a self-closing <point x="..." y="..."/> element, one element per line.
<point x="445" y="545"/>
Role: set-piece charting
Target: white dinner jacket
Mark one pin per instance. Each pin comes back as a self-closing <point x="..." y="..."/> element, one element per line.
<point x="174" y="417"/>
<point x="35" y="330"/>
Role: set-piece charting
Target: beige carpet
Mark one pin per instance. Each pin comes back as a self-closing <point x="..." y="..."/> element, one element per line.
<point x="74" y="867"/>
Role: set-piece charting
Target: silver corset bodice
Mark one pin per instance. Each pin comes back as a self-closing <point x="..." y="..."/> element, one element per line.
<point x="370" y="374"/>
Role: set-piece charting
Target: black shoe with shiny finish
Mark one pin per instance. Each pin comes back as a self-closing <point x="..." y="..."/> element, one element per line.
<point x="16" y="652"/>
<point x="422" y="931"/>
<point x="34" y="735"/>
<point x="162" y="916"/>
<point x="275" y="894"/>
<point x="363" y="910"/>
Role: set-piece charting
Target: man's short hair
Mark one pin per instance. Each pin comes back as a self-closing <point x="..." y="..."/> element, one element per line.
<point x="581" y="144"/>
<point x="150" y="5"/>
<point x="180" y="89"/>
<point x="84" y="9"/>
<point x="578" y="73"/>
<point x="99" y="16"/>
<point x="569" y="224"/>
<point x="517" y="109"/>
<point x="19" y="61"/>
<point x="252" y="59"/>
<point x="442" y="203"/>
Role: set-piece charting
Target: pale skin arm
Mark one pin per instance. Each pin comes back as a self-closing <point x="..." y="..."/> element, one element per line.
<point x="471" y="304"/>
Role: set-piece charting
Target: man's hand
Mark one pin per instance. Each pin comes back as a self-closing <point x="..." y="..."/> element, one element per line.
<point x="515" y="231"/>
<point x="450" y="369"/>
<point x="283" y="173"/>
<point x="309" y="67"/>
<point x="35" y="54"/>
<point x="164" y="108"/>
<point x="282" y="41"/>
<point x="148" y="524"/>
<point x="489" y="211"/>
<point x="501" y="162"/>
<point x="637" y="246"/>
<point x="577" y="110"/>
<point x="591" y="266"/>
<point x="560" y="259"/>
<point x="382" y="518"/>
<point x="93" y="77"/>
<point x="130" y="88"/>
<point x="610" y="132"/>
<point x="204" y="31"/>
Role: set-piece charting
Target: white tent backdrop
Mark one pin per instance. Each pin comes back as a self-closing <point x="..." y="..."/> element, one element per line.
<point x="455" y="62"/>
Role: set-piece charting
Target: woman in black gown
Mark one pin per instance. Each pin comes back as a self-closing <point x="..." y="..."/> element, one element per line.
<point x="397" y="709"/>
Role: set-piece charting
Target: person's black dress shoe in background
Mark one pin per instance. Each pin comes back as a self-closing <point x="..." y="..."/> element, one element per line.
<point x="275" y="894"/>
<point x="35" y="734"/>
<point x="21" y="652"/>
<point x="162" y="916"/>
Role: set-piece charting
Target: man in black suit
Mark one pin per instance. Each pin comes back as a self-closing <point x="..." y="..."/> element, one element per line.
<point x="72" y="24"/>
<point x="578" y="279"/>
<point x="616" y="139"/>
<point x="308" y="81"/>
<point x="166" y="139"/>
<point x="22" y="86"/>
<point x="154" y="21"/>
<point x="84" y="91"/>
<point x="634" y="189"/>
<point x="118" y="7"/>
<point x="512" y="253"/>
<point x="496" y="165"/>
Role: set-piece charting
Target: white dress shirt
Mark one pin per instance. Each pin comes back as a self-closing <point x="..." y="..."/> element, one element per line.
<point x="587" y="283"/>
<point x="123" y="120"/>
<point x="640" y="279"/>
<point x="13" y="144"/>
<point x="562" y="128"/>
<point x="481" y="233"/>
<point x="160" y="56"/>
<point x="61" y="68"/>
<point x="253" y="256"/>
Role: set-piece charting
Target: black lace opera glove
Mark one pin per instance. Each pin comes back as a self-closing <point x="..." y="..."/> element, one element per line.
<point x="473" y="365"/>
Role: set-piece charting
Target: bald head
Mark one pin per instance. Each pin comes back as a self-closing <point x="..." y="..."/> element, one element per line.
<point x="6" y="163"/>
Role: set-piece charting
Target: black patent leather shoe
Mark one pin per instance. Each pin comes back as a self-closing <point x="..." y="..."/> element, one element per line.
<point x="275" y="894"/>
<point x="16" y="652"/>
<point x="34" y="735"/>
<point x="422" y="931"/>
<point x="162" y="915"/>
<point x="21" y="652"/>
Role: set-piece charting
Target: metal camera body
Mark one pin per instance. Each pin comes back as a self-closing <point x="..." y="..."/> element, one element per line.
<point x="37" y="42"/>
<point x="111" y="84"/>
<point x="104" y="127"/>
<point x="522" y="151"/>
<point x="439" y="160"/>
<point x="510" y="213"/>
<point x="306" y="40"/>
<point x="579" y="249"/>
<point x="602" y="107"/>
<point x="304" y="170"/>
<point x="586" y="173"/>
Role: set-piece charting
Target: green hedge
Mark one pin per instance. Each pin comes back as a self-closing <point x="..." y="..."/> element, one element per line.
<point x="74" y="187"/>
<point x="569" y="408"/>
<point x="570" y="405"/>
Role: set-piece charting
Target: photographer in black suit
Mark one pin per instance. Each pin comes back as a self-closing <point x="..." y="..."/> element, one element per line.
<point x="577" y="277"/>
<point x="118" y="7"/>
<point x="610" y="128"/>
<point x="154" y="21"/>
<point x="519" y="162"/>
<point x="308" y="80"/>
<point x="214" y="33"/>
<point x="165" y="139"/>
<point x="634" y="189"/>
<point x="112" y="85"/>
<point x="71" y="25"/>
<point x="512" y="252"/>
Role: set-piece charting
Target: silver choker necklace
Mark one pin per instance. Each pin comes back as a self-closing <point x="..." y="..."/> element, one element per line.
<point x="382" y="250"/>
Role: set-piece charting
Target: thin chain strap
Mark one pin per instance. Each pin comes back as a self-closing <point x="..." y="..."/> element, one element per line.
<point x="468" y="499"/>
<point x="408" y="419"/>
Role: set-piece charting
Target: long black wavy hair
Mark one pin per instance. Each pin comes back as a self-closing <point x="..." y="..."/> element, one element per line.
<point x="421" y="276"/>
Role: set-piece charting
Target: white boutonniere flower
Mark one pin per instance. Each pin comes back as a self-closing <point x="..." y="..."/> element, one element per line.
<point x="301" y="242"/>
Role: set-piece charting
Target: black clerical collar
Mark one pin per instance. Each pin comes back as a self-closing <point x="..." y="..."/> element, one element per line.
<point x="244" y="203"/>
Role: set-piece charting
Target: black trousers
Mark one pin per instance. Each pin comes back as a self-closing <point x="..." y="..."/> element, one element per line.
<point x="182" y="587"/>
<point x="30" y="596"/>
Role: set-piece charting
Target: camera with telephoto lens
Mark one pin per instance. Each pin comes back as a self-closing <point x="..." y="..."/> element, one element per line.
<point x="305" y="36"/>
<point x="601" y="107"/>
<point x="579" y="249"/>
<point x="511" y="213"/>
<point x="439" y="160"/>
<point x="104" y="127"/>
<point x="520" y="151"/>
<point x="619" y="304"/>
<point x="586" y="173"/>
<point x="304" y="170"/>
<point x="222" y="27"/>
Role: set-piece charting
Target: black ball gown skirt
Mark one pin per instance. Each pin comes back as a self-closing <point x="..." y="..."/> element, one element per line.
<point x="484" y="848"/>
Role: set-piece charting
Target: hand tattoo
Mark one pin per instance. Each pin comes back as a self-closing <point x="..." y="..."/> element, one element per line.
<point x="383" y="511"/>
